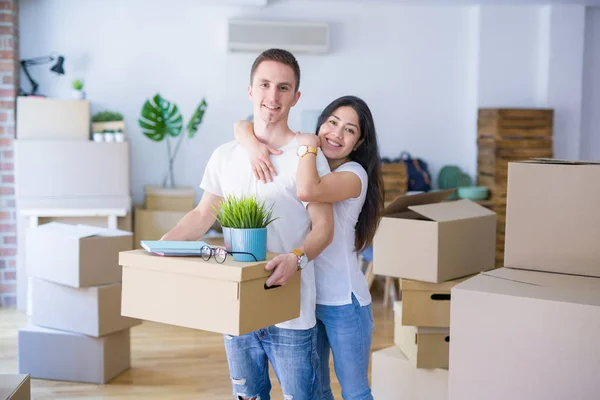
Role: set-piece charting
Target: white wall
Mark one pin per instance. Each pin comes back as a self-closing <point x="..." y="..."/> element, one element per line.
<point x="590" y="138"/>
<point x="422" y="69"/>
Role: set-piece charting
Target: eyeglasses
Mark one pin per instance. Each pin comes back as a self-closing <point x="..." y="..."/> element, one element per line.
<point x="219" y="253"/>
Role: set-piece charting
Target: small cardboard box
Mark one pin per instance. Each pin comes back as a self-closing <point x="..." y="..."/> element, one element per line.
<point x="65" y="356"/>
<point x="76" y="255"/>
<point x="173" y="199"/>
<point x="15" y="387"/>
<point x="228" y="298"/>
<point x="525" y="335"/>
<point x="152" y="224"/>
<point x="424" y="238"/>
<point x="426" y="304"/>
<point x="73" y="170"/>
<point x="395" y="377"/>
<point x="93" y="311"/>
<point x="43" y="118"/>
<point x="552" y="217"/>
<point x="425" y="347"/>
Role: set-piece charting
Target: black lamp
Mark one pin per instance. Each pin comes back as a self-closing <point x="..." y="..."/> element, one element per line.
<point x="57" y="68"/>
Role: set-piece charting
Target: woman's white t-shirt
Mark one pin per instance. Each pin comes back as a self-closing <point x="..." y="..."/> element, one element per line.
<point x="337" y="271"/>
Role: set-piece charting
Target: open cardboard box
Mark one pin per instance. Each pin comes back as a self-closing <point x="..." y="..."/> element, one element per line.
<point x="425" y="238"/>
<point x="228" y="298"/>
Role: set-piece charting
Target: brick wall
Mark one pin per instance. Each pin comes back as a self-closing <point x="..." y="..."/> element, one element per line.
<point x="9" y="78"/>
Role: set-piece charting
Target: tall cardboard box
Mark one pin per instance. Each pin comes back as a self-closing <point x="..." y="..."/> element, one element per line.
<point x="15" y="387"/>
<point x="93" y="311"/>
<point x="152" y="224"/>
<point x="228" y="298"/>
<point x="55" y="119"/>
<point x="525" y="335"/>
<point x="76" y="255"/>
<point x="169" y="199"/>
<point x="66" y="356"/>
<point x="425" y="347"/>
<point x="395" y="377"/>
<point x="552" y="217"/>
<point x="82" y="171"/>
<point x="424" y="238"/>
<point x="426" y="304"/>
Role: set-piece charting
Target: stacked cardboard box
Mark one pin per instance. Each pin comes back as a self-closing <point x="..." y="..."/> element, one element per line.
<point x="503" y="136"/>
<point x="78" y="333"/>
<point x="432" y="245"/>
<point x="163" y="209"/>
<point x="61" y="173"/>
<point x="529" y="330"/>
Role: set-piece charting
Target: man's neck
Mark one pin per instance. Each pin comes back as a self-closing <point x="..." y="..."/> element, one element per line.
<point x="273" y="135"/>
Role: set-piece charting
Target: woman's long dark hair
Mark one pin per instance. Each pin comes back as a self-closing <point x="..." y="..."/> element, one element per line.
<point x="367" y="155"/>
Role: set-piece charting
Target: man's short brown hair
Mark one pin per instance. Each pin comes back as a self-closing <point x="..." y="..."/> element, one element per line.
<point x="280" y="56"/>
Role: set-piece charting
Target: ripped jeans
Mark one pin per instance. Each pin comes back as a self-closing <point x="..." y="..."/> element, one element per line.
<point x="292" y="353"/>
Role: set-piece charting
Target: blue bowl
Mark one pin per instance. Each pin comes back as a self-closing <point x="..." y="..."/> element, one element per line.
<point x="473" y="192"/>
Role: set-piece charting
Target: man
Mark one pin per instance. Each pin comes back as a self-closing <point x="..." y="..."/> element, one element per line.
<point x="300" y="234"/>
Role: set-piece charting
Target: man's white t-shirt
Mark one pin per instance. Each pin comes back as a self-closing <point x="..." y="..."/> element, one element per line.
<point x="336" y="268"/>
<point x="229" y="172"/>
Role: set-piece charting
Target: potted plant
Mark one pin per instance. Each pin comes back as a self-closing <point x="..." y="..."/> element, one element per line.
<point x="161" y="120"/>
<point x="107" y="121"/>
<point x="98" y="136"/>
<point x="78" y="93"/>
<point x="119" y="136"/>
<point x="109" y="136"/>
<point x="244" y="220"/>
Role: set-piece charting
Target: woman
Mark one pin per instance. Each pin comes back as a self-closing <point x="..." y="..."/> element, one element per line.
<point x="346" y="136"/>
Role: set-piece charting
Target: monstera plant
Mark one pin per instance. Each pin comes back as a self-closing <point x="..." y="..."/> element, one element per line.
<point x="161" y="120"/>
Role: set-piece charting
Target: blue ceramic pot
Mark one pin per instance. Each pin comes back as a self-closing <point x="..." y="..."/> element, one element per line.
<point x="247" y="241"/>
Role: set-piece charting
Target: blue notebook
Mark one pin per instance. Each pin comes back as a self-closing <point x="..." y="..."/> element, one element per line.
<point x="173" y="248"/>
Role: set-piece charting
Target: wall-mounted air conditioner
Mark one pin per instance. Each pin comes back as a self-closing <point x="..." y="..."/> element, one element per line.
<point x="297" y="37"/>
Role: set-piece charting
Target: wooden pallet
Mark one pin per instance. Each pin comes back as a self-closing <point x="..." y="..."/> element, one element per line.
<point x="515" y="123"/>
<point x="395" y="180"/>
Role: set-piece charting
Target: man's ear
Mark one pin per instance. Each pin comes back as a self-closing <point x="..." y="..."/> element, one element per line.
<point x="296" y="98"/>
<point x="250" y="91"/>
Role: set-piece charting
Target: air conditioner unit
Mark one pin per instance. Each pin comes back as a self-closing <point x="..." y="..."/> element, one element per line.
<point x="297" y="37"/>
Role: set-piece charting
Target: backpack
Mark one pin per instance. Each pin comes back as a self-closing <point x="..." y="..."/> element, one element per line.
<point x="419" y="178"/>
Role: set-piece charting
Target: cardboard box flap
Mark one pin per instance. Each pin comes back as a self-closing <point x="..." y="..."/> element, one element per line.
<point x="536" y="285"/>
<point x="195" y="266"/>
<point x="412" y="285"/>
<point x="403" y="203"/>
<point x="79" y="231"/>
<point x="11" y="384"/>
<point x="452" y="210"/>
<point x="559" y="162"/>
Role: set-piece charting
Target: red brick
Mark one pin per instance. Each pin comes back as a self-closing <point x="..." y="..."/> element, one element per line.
<point x="12" y="263"/>
<point x="7" y="30"/>
<point x="10" y="130"/>
<point x="5" y="142"/>
<point x="11" y="228"/>
<point x="7" y="190"/>
<point x="8" y="79"/>
<point x="8" y="179"/>
<point x="8" y="252"/>
<point x="7" y="18"/>
<point x="8" y="154"/>
<point x="8" y="288"/>
<point x="10" y="240"/>
<point x="7" y="5"/>
<point x="10" y="275"/>
<point x="6" y="166"/>
<point x="5" y="215"/>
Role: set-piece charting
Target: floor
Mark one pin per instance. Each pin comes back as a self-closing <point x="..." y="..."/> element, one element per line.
<point x="167" y="362"/>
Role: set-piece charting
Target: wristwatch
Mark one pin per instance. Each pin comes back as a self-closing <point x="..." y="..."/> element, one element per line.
<point x="302" y="259"/>
<point x="303" y="150"/>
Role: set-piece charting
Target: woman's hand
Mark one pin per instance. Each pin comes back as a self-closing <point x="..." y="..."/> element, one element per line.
<point x="308" y="139"/>
<point x="261" y="161"/>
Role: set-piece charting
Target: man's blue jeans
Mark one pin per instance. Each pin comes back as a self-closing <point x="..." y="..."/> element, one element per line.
<point x="347" y="331"/>
<point x="292" y="353"/>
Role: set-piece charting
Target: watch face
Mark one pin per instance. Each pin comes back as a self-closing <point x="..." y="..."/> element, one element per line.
<point x="302" y="150"/>
<point x="303" y="261"/>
